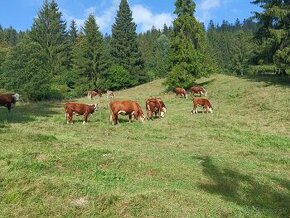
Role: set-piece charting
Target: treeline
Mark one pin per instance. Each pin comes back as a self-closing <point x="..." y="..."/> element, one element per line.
<point x="54" y="60"/>
<point x="233" y="45"/>
<point x="256" y="47"/>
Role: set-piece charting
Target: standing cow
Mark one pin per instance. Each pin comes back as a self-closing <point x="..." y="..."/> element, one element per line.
<point x="155" y="106"/>
<point x="79" y="109"/>
<point x="126" y="107"/>
<point x="203" y="102"/>
<point x="198" y="90"/>
<point x="9" y="100"/>
<point x="180" y="91"/>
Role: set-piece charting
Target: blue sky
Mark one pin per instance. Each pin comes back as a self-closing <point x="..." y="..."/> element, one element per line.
<point x="20" y="13"/>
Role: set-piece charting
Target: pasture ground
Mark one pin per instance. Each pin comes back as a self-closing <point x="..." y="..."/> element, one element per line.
<point x="232" y="163"/>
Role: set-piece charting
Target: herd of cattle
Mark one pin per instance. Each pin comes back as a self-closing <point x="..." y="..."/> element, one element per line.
<point x="155" y="107"/>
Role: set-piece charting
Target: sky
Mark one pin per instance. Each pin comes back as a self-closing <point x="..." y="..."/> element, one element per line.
<point x="20" y="13"/>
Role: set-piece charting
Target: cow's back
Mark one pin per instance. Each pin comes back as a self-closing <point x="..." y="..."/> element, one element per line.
<point x="126" y="105"/>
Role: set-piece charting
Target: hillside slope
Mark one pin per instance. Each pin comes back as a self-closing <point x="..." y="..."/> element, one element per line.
<point x="234" y="162"/>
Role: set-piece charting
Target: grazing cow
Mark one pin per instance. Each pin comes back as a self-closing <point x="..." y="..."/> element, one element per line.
<point x="110" y="94"/>
<point x="155" y="106"/>
<point x="94" y="93"/>
<point x="9" y="100"/>
<point x="181" y="92"/>
<point x="198" y="90"/>
<point x="203" y="102"/>
<point x="126" y="107"/>
<point x="79" y="109"/>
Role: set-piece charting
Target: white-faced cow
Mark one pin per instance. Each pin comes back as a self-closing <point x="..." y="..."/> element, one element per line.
<point x="180" y="91"/>
<point x="203" y="102"/>
<point x="9" y="100"/>
<point x="126" y="107"/>
<point x="198" y="90"/>
<point x="155" y="106"/>
<point x="79" y="109"/>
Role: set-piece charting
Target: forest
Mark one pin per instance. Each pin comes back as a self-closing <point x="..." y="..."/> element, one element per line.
<point x="56" y="60"/>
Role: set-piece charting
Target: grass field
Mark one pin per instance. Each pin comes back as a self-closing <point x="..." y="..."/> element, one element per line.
<point x="232" y="163"/>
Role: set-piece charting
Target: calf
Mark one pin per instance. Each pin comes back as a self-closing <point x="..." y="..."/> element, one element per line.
<point x="203" y="102"/>
<point x="198" y="90"/>
<point x="8" y="100"/>
<point x="155" y="106"/>
<point x="181" y="92"/>
<point x="126" y="107"/>
<point x="79" y="109"/>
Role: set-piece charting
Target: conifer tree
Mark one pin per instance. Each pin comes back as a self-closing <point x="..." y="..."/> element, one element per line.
<point x="73" y="32"/>
<point x="88" y="56"/>
<point x="49" y="31"/>
<point x="273" y="36"/>
<point x="124" y="45"/>
<point x="188" y="43"/>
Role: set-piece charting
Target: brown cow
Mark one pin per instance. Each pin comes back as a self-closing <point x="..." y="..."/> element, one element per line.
<point x="203" y="102"/>
<point x="8" y="100"/>
<point x="94" y="93"/>
<point x="155" y="106"/>
<point x="79" y="109"/>
<point x="198" y="90"/>
<point x="126" y="107"/>
<point x="181" y="92"/>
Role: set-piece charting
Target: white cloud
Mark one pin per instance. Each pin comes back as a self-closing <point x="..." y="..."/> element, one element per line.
<point x="205" y="7"/>
<point x="106" y="11"/>
<point x="145" y="19"/>
<point x="104" y="15"/>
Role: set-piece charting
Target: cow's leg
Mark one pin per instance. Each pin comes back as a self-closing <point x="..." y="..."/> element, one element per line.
<point x="114" y="118"/>
<point x="195" y="109"/>
<point x="8" y="105"/>
<point x="149" y="114"/>
<point x="159" y="112"/>
<point x="85" y="118"/>
<point x="69" y="118"/>
<point x="130" y="118"/>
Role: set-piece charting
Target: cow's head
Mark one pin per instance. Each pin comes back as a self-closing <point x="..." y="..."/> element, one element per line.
<point x="142" y="117"/>
<point x="94" y="107"/>
<point x="210" y="109"/>
<point x="163" y="111"/>
<point x="16" y="97"/>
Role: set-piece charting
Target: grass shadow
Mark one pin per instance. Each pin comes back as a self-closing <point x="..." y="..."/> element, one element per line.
<point x="247" y="191"/>
<point x="24" y="113"/>
<point x="270" y="79"/>
<point x="206" y="82"/>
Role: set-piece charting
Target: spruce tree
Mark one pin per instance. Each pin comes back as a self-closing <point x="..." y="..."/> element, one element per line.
<point x="273" y="36"/>
<point x="49" y="31"/>
<point x="188" y="45"/>
<point x="73" y="32"/>
<point x="89" y="61"/>
<point x="124" y="45"/>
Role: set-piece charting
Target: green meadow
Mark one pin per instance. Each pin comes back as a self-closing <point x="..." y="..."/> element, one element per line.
<point x="234" y="162"/>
